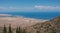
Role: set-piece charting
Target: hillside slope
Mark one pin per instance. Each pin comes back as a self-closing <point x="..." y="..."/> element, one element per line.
<point x="52" y="26"/>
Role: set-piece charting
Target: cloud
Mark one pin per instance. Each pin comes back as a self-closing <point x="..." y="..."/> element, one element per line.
<point x="47" y="7"/>
<point x="16" y="8"/>
<point x="36" y="7"/>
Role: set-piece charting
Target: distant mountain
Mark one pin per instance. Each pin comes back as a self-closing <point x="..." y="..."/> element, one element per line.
<point x="51" y="26"/>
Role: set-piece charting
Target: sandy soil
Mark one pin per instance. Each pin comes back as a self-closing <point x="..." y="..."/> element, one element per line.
<point x="19" y="21"/>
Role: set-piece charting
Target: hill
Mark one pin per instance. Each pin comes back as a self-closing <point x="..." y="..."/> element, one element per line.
<point x="51" y="26"/>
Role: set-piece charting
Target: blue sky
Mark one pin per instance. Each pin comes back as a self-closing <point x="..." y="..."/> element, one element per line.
<point x="30" y="5"/>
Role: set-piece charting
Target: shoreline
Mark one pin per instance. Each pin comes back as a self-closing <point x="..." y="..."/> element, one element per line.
<point x="16" y="21"/>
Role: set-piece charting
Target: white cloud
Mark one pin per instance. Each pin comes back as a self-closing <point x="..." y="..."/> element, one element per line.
<point x="31" y="8"/>
<point x="16" y="8"/>
<point x="47" y="7"/>
<point x="2" y="8"/>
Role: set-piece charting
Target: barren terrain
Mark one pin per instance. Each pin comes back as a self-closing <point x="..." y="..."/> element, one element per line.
<point x="18" y="21"/>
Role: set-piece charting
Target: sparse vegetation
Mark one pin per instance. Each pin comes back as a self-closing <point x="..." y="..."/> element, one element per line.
<point x="10" y="29"/>
<point x="18" y="30"/>
<point x="4" y="29"/>
<point x="37" y="31"/>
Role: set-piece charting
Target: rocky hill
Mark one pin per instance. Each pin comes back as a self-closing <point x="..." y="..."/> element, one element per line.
<point x="51" y="26"/>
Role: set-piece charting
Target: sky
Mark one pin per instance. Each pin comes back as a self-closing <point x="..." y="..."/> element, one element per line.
<point x="30" y="5"/>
